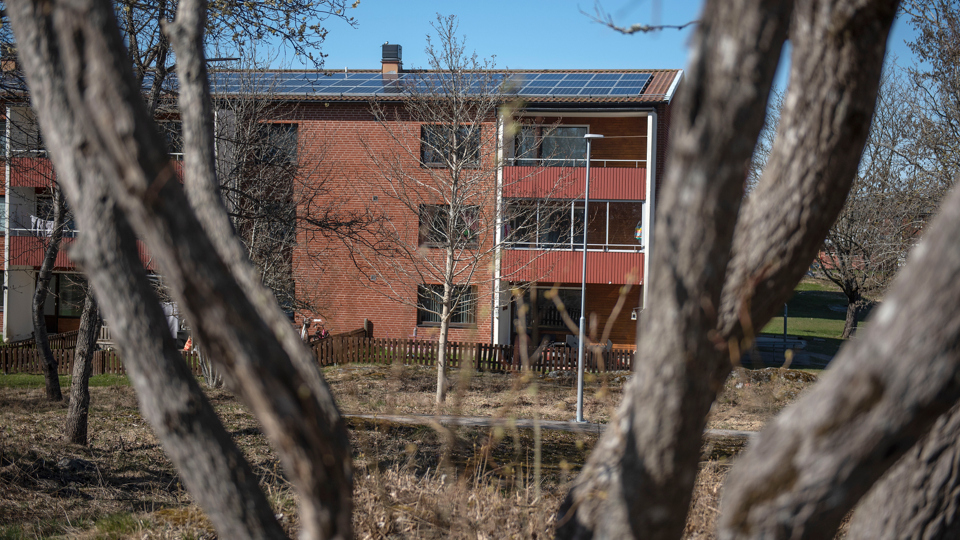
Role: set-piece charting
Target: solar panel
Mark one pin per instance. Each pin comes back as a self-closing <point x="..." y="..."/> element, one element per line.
<point x="521" y="84"/>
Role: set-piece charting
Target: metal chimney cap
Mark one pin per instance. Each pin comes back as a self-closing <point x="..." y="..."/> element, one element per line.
<point x="392" y="52"/>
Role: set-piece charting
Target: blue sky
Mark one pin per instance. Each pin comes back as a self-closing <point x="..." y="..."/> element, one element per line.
<point x="531" y="34"/>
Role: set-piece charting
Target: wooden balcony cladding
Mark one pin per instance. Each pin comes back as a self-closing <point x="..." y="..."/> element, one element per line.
<point x="38" y="171"/>
<point x="29" y="251"/>
<point x="610" y="183"/>
<point x="605" y="267"/>
<point x="33" y="171"/>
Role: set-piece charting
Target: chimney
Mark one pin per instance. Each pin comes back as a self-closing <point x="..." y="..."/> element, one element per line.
<point x="391" y="64"/>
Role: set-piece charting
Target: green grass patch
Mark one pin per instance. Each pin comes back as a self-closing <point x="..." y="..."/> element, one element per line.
<point x="816" y="313"/>
<point x="26" y="380"/>
<point x="115" y="526"/>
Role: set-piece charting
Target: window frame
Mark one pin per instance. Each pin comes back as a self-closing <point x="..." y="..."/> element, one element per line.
<point x="429" y="235"/>
<point x="531" y="139"/>
<point x="272" y="151"/>
<point x="464" y="313"/>
<point x="435" y="139"/>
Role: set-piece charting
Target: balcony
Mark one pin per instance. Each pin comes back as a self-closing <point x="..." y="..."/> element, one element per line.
<point x="28" y="247"/>
<point x="609" y="179"/>
<point x="31" y="169"/>
<point x="34" y="169"/>
<point x="603" y="267"/>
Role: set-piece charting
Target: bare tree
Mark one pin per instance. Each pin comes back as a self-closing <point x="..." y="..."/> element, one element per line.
<point x="118" y="178"/>
<point x="76" y="424"/>
<point x="884" y="213"/>
<point x="232" y="28"/>
<point x="447" y="123"/>
<point x="937" y="49"/>
<point x="44" y="275"/>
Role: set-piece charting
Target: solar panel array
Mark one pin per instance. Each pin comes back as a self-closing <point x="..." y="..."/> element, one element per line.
<point x="373" y="84"/>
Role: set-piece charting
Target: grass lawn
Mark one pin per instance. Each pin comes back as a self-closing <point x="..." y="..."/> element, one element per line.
<point x="810" y="317"/>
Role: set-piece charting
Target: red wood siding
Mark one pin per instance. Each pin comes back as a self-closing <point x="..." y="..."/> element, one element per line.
<point x="613" y="183"/>
<point x="29" y="251"/>
<point x="31" y="172"/>
<point x="612" y="267"/>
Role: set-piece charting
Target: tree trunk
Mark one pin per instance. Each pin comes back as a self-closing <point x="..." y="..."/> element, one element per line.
<point x="81" y="86"/>
<point x="637" y="480"/>
<point x="813" y="463"/>
<point x="237" y="318"/>
<point x="90" y="322"/>
<point x="442" y="356"/>
<point x="919" y="498"/>
<point x="44" y="276"/>
<point x="854" y="308"/>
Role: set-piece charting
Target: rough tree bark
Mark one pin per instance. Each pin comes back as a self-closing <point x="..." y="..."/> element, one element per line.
<point x="824" y="452"/>
<point x="309" y="433"/>
<point x="106" y="148"/>
<point x="90" y="322"/>
<point x="637" y="480"/>
<point x="48" y="362"/>
<point x="213" y="468"/>
<point x="855" y="308"/>
<point x="919" y="498"/>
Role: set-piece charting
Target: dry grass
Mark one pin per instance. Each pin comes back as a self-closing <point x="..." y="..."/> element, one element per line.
<point x="411" y="482"/>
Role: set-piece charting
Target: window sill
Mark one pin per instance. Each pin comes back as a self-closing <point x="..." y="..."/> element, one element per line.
<point x="466" y="326"/>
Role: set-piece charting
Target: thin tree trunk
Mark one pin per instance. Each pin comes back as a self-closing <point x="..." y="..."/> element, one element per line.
<point x="44" y="276"/>
<point x="919" y="498"/>
<point x="854" y="308"/>
<point x="445" y="313"/>
<point x="442" y="356"/>
<point x="90" y="322"/>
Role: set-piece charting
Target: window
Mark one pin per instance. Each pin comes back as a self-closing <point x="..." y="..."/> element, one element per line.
<point x="548" y="313"/>
<point x="3" y="217"/>
<point x="435" y="225"/>
<point x="545" y="224"/>
<point x="612" y="225"/>
<point x="430" y="305"/>
<point x="66" y="295"/>
<point x="442" y="145"/>
<point x="25" y="137"/>
<point x="278" y="144"/>
<point x="557" y="146"/>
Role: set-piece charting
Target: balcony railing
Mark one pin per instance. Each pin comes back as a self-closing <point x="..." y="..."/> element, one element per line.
<point x="555" y="182"/>
<point x="563" y="162"/>
<point x="574" y="246"/>
<point x="41" y="231"/>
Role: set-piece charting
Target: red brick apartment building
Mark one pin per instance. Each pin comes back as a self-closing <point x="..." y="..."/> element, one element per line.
<point x="533" y="150"/>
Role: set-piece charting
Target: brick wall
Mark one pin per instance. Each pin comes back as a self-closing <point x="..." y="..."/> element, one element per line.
<point x="341" y="146"/>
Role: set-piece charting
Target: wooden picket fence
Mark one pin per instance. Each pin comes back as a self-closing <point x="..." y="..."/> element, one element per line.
<point x="66" y="340"/>
<point x="480" y="356"/>
<point x="23" y="360"/>
<point x="356" y="348"/>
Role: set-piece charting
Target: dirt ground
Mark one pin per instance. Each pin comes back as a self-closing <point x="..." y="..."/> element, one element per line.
<point x="411" y="482"/>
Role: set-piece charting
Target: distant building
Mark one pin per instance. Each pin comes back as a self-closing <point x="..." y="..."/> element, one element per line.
<point x="329" y="115"/>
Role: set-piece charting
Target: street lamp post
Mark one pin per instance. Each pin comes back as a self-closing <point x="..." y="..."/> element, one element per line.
<point x="583" y="283"/>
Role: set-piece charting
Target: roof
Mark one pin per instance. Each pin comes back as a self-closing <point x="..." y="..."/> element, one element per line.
<point x="539" y="86"/>
<point x="573" y="86"/>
